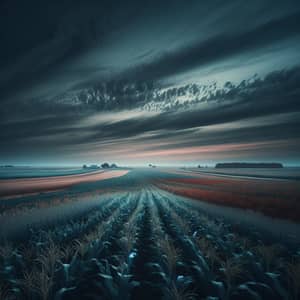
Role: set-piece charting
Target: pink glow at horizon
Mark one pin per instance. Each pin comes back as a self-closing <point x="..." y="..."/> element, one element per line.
<point x="212" y="149"/>
<point x="128" y="152"/>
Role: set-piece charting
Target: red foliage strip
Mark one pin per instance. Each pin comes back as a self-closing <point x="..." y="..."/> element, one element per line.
<point x="272" y="205"/>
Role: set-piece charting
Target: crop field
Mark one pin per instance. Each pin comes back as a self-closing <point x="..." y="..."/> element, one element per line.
<point x="275" y="198"/>
<point x="152" y="234"/>
<point x="31" y="172"/>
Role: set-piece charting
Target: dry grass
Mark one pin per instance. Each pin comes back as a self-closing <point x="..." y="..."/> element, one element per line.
<point x="293" y="272"/>
<point x="269" y="255"/>
<point x="49" y="258"/>
<point x="80" y="247"/>
<point x="37" y="281"/>
<point x="208" y="250"/>
<point x="233" y="270"/>
<point x="4" y="292"/>
<point x="181" y="294"/>
<point x="29" y="283"/>
<point x="172" y="253"/>
<point x="67" y="253"/>
<point x="44" y="283"/>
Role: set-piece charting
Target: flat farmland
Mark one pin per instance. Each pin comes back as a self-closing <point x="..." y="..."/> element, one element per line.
<point x="272" y="197"/>
<point x="20" y="186"/>
<point x="150" y="234"/>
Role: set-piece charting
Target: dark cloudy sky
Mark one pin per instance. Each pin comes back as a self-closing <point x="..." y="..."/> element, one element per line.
<point x="166" y="82"/>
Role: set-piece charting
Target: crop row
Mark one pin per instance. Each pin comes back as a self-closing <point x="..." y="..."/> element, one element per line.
<point x="34" y="269"/>
<point x="13" y="207"/>
<point x="147" y="245"/>
<point x="239" y="265"/>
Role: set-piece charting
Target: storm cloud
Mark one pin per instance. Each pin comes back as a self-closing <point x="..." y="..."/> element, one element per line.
<point x="82" y="81"/>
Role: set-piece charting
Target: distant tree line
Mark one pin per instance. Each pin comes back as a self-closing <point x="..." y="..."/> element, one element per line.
<point x="248" y="165"/>
<point x="105" y="165"/>
<point x="152" y="166"/>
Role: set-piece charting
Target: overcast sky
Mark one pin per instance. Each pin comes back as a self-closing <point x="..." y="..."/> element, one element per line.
<point x="138" y="82"/>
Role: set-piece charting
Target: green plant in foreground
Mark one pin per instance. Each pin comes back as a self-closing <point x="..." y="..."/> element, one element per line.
<point x="49" y="258"/>
<point x="67" y="253"/>
<point x="44" y="283"/>
<point x="4" y="292"/>
<point x="176" y="293"/>
<point x="172" y="255"/>
<point x="293" y="272"/>
<point x="232" y="270"/>
<point x="208" y="250"/>
<point x="28" y="283"/>
<point x="269" y="255"/>
<point x="80" y="247"/>
<point x="37" y="282"/>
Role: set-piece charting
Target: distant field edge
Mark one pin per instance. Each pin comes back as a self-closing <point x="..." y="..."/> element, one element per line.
<point x="24" y="186"/>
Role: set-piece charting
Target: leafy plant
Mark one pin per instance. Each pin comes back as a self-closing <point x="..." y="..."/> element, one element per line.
<point x="232" y="270"/>
<point x="49" y="258"/>
<point x="6" y="251"/>
<point x="44" y="283"/>
<point x="209" y="251"/>
<point x="293" y="272"/>
<point x="4" y="292"/>
<point x="180" y="293"/>
<point x="80" y="247"/>
<point x="269" y="255"/>
<point x="67" y="253"/>
<point x="172" y="254"/>
<point x="28" y="283"/>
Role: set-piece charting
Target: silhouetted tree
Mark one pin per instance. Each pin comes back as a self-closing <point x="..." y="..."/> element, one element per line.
<point x="105" y="165"/>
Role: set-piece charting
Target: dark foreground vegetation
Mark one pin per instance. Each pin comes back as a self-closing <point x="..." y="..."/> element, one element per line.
<point x="146" y="245"/>
<point x="143" y="244"/>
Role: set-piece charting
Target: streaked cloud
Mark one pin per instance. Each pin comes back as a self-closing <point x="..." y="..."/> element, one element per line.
<point x="163" y="80"/>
